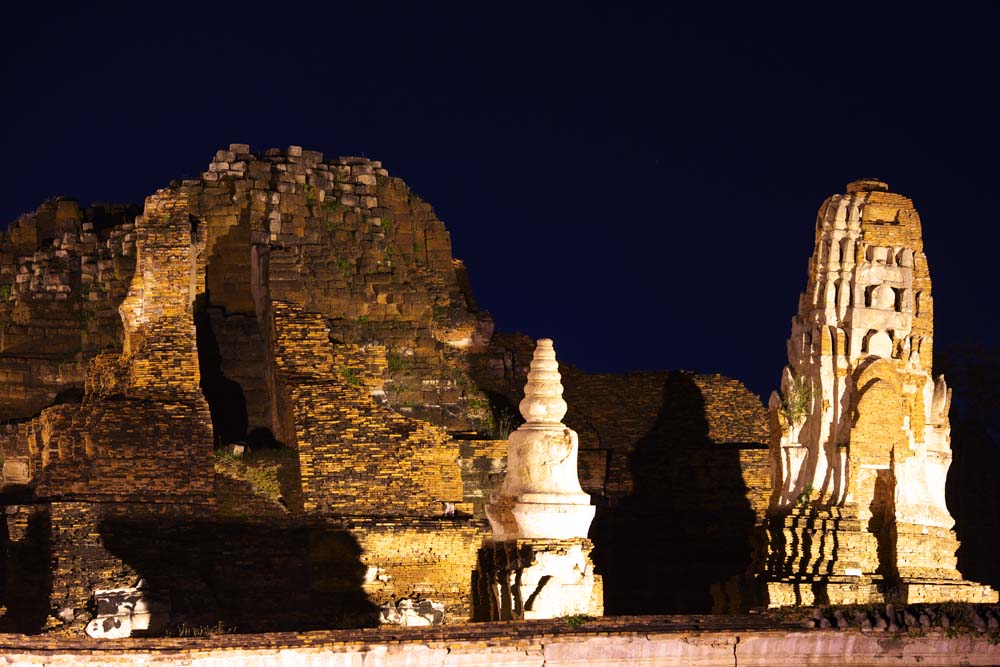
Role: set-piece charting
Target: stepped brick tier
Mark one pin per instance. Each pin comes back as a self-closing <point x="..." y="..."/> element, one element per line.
<point x="537" y="564"/>
<point x="860" y="438"/>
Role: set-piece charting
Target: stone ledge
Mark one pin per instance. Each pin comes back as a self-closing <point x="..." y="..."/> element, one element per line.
<point x="638" y="640"/>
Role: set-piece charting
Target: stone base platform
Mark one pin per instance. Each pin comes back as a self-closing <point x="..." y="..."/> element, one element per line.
<point x="825" y="555"/>
<point x="936" y="590"/>
<point x="835" y="591"/>
<point x="534" y="579"/>
<point x="633" y="641"/>
<point x="867" y="590"/>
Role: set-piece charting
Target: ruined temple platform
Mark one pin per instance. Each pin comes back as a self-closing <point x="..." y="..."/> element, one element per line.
<point x="699" y="641"/>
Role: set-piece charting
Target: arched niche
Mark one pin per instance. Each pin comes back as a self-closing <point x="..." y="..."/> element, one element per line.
<point x="878" y="344"/>
<point x="877" y="440"/>
<point x="847" y="249"/>
<point x="831" y="295"/>
<point x="884" y="298"/>
<point x="843" y="294"/>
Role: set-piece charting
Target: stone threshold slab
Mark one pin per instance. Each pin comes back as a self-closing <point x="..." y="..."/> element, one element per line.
<point x="663" y="641"/>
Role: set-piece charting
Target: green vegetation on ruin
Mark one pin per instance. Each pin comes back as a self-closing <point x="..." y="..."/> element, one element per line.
<point x="797" y="400"/>
<point x="395" y="362"/>
<point x="350" y="376"/>
<point x="267" y="471"/>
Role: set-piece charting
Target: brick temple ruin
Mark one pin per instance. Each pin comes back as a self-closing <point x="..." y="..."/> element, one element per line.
<point x="269" y="400"/>
<point x="860" y="436"/>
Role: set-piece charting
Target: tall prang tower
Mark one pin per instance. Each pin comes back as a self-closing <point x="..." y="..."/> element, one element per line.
<point x="860" y="438"/>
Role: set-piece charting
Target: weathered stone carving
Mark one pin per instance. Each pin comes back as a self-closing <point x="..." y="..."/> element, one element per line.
<point x="537" y="564"/>
<point x="860" y="434"/>
<point x="531" y="579"/>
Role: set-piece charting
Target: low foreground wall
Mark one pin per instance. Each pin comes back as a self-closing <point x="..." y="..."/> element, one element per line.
<point x="608" y="642"/>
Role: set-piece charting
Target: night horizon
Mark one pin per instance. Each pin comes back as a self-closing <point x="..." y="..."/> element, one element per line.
<point x="637" y="163"/>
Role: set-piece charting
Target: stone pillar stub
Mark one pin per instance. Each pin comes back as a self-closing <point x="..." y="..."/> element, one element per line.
<point x="533" y="579"/>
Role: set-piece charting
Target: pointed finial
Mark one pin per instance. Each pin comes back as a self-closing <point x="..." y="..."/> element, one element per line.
<point x="543" y="402"/>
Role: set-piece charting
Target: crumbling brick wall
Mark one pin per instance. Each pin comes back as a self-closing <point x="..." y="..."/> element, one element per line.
<point x="144" y="433"/>
<point x="342" y="239"/>
<point x="123" y="450"/>
<point x="258" y="574"/>
<point x="483" y="464"/>
<point x="357" y="457"/>
<point x="63" y="272"/>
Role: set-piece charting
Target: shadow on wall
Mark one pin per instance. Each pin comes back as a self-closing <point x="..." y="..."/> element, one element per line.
<point x="973" y="372"/>
<point x="687" y="522"/>
<point x="252" y="577"/>
<point x="226" y="401"/>
<point x="26" y="576"/>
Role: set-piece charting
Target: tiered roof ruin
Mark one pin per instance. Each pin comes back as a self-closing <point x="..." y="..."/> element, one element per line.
<point x="860" y="437"/>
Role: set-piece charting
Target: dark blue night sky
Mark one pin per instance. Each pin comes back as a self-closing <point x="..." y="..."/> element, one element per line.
<point x="656" y="171"/>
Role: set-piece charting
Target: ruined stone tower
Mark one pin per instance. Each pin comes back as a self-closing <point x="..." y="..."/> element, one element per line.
<point x="860" y="438"/>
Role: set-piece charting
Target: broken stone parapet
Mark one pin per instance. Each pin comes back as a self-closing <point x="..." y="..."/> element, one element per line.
<point x="541" y="495"/>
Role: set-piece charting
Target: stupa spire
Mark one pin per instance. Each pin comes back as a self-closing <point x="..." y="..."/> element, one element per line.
<point x="541" y="495"/>
<point x="537" y="563"/>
